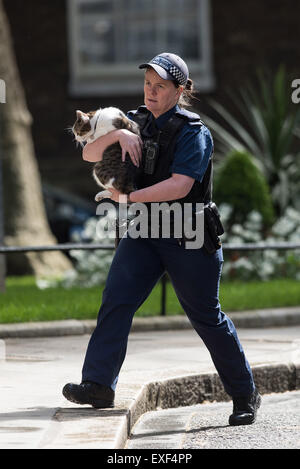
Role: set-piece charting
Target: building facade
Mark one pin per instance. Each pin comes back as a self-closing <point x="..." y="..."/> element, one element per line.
<point x="83" y="54"/>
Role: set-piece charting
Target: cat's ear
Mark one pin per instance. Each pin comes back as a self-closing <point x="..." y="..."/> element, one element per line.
<point x="81" y="115"/>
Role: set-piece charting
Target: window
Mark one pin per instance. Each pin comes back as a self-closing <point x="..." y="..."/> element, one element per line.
<point x="108" y="39"/>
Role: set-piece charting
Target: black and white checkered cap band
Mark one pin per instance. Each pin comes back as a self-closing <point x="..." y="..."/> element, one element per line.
<point x="174" y="71"/>
<point x="178" y="75"/>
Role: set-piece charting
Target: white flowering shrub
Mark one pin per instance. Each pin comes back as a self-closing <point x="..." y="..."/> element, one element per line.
<point x="262" y="264"/>
<point x="90" y="266"/>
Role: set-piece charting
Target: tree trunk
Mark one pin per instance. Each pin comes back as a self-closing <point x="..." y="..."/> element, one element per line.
<point x="25" y="220"/>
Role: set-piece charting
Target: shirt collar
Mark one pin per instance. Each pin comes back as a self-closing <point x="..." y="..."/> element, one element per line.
<point x="163" y="118"/>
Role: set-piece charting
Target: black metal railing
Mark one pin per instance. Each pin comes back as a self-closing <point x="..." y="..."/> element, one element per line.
<point x="94" y="246"/>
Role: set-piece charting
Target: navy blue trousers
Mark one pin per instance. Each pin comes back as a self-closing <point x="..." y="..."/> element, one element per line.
<point x="136" y="267"/>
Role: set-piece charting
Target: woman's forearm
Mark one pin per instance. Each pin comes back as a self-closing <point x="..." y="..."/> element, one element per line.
<point x="129" y="142"/>
<point x="176" y="187"/>
<point x="94" y="151"/>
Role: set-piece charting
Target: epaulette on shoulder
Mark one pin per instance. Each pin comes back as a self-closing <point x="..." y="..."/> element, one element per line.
<point x="139" y="115"/>
<point x="191" y="117"/>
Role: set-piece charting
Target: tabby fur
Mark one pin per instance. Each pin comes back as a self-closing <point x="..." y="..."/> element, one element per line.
<point x="111" y="171"/>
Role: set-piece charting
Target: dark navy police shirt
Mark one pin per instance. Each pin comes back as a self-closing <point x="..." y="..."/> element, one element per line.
<point x="193" y="148"/>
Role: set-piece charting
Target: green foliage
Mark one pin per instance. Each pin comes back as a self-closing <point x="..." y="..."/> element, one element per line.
<point x="240" y="184"/>
<point x="268" y="127"/>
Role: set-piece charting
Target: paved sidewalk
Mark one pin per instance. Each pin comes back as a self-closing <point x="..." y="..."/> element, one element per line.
<point x="163" y="368"/>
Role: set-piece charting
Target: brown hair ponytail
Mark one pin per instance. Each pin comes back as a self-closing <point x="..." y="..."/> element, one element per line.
<point x="187" y="94"/>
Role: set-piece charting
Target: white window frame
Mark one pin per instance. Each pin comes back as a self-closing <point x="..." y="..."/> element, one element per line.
<point x="126" y="79"/>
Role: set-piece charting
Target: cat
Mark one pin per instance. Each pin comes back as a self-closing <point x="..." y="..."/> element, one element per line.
<point x="111" y="171"/>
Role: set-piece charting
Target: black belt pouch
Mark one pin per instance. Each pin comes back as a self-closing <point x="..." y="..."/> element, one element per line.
<point x="213" y="228"/>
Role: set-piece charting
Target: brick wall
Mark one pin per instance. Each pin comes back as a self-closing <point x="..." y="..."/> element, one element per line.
<point x="245" y="35"/>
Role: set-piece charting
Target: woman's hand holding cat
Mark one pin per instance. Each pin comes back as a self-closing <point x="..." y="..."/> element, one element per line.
<point x="129" y="142"/>
<point x="132" y="144"/>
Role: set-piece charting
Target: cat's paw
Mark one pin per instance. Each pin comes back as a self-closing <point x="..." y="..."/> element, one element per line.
<point x="102" y="195"/>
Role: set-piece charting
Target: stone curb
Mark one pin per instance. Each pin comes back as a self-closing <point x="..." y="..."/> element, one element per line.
<point x="197" y="389"/>
<point x="2" y="350"/>
<point x="274" y="317"/>
<point x="179" y="391"/>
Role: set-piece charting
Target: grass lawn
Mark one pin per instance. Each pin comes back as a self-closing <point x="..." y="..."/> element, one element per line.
<point x="23" y="301"/>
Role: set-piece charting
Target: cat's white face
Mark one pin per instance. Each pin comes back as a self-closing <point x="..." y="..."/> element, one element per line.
<point x="88" y="127"/>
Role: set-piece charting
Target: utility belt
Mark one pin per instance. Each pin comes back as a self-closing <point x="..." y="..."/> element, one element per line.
<point x="213" y="228"/>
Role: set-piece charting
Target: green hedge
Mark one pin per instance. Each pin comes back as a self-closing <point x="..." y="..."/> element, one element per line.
<point x="241" y="184"/>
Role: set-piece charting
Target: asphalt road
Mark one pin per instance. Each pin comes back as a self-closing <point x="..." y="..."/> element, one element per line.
<point x="205" y="426"/>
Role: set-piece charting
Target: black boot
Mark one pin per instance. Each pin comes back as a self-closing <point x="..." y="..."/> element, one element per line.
<point x="245" y="409"/>
<point x="97" y="395"/>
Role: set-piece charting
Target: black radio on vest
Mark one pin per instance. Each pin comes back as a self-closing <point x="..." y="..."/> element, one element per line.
<point x="150" y="155"/>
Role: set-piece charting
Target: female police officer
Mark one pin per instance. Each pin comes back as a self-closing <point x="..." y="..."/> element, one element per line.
<point x="181" y="173"/>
